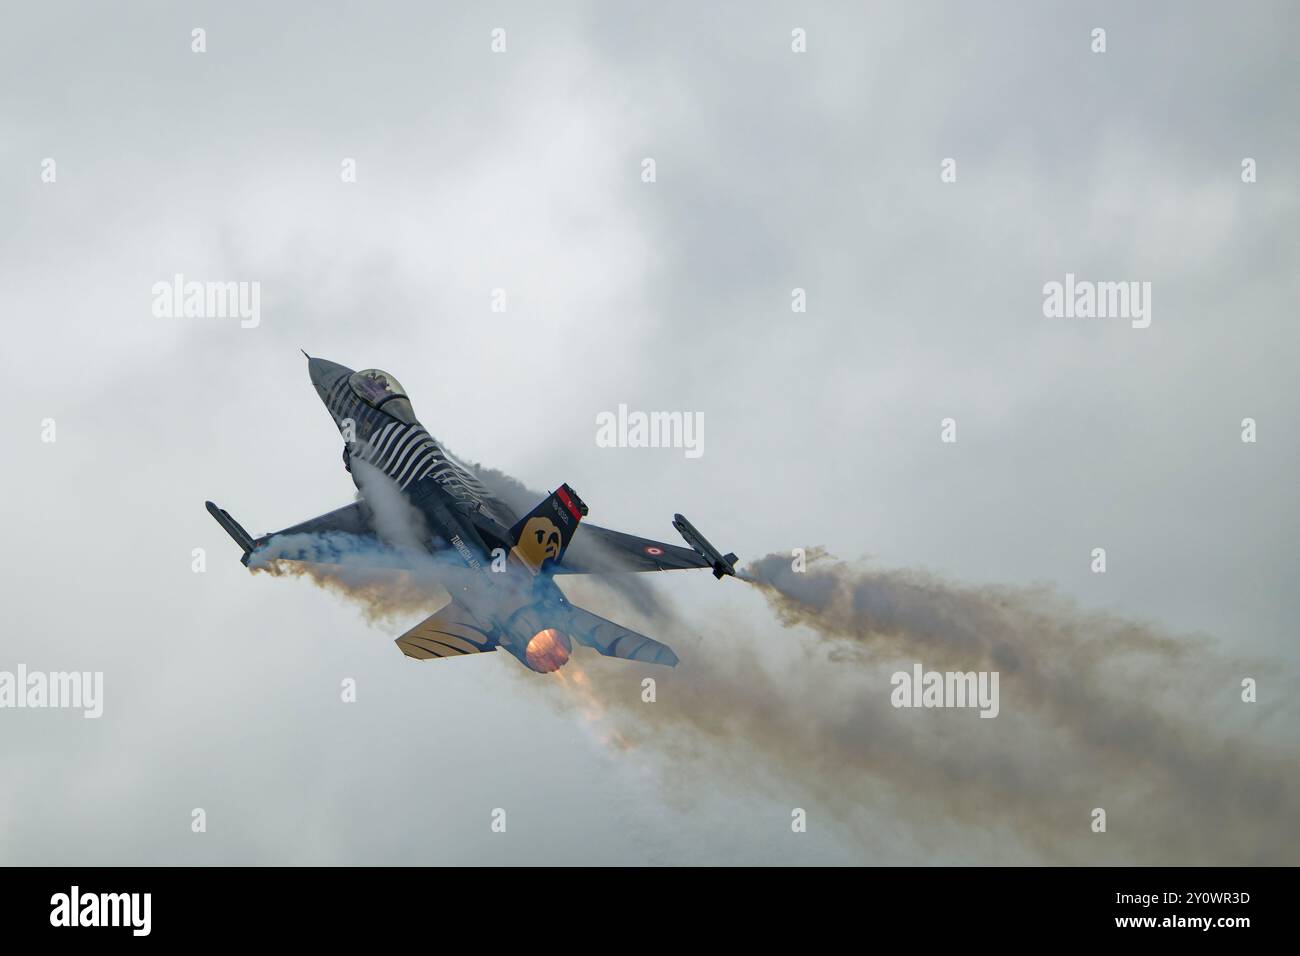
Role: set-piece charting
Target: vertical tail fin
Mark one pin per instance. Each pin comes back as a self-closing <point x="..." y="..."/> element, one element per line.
<point x="545" y="532"/>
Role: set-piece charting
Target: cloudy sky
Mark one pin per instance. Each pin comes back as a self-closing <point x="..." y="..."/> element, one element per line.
<point x="522" y="170"/>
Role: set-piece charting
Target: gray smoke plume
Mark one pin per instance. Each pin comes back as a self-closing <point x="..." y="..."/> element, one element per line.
<point x="387" y="585"/>
<point x="389" y="578"/>
<point x="1096" y="711"/>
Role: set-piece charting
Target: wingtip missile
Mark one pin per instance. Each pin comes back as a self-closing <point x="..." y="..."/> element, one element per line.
<point x="723" y="564"/>
<point x="233" y="528"/>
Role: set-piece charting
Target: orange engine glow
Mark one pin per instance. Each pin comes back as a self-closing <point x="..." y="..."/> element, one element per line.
<point x="548" y="650"/>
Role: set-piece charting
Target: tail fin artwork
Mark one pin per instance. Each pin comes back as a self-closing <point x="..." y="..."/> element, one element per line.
<point x="544" y="533"/>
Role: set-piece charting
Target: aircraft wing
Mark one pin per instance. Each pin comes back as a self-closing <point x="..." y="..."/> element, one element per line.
<point x="595" y="550"/>
<point x="350" y="519"/>
<point x="342" y="536"/>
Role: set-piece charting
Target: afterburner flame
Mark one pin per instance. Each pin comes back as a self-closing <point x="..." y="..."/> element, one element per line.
<point x="548" y="650"/>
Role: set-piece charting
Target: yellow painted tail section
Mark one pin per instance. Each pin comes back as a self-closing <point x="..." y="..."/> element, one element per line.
<point x="544" y="533"/>
<point x="452" y="632"/>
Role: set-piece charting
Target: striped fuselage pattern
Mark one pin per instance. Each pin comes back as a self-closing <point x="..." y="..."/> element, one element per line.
<point x="407" y="453"/>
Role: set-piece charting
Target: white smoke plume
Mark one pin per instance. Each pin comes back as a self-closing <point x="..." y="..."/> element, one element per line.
<point x="390" y="579"/>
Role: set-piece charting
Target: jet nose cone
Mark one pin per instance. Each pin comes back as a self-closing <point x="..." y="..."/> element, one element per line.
<point x="325" y="374"/>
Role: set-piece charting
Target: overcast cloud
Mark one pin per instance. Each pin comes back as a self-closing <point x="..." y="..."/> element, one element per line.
<point x="522" y="171"/>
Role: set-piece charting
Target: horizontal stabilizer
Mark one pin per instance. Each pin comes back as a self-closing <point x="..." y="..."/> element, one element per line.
<point x="615" y="640"/>
<point x="451" y="632"/>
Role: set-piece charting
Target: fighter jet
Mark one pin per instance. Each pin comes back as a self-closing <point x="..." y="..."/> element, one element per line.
<point x="498" y="566"/>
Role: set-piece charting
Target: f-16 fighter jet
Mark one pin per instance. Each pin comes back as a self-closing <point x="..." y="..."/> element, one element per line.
<point x="498" y="566"/>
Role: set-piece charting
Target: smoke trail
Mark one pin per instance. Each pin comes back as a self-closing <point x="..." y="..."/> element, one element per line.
<point x="397" y="522"/>
<point x="385" y="583"/>
<point x="390" y="577"/>
<point x="1096" y="712"/>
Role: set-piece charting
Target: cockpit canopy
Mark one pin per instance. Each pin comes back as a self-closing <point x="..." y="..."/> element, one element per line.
<point x="380" y="390"/>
